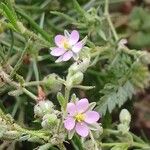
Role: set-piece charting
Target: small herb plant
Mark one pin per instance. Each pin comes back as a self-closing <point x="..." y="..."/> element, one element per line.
<point x="63" y="74"/>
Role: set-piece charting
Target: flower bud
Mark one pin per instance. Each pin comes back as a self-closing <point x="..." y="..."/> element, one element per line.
<point x="89" y="145"/>
<point x="123" y="128"/>
<point x="98" y="133"/>
<point x="52" y="83"/>
<point x="76" y="79"/>
<point x="125" y="116"/>
<point x="80" y="65"/>
<point x="145" y="57"/>
<point x="43" y="107"/>
<point x="49" y="121"/>
<point x="21" y="27"/>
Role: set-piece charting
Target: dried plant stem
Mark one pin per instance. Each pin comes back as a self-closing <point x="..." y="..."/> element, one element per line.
<point x="6" y="78"/>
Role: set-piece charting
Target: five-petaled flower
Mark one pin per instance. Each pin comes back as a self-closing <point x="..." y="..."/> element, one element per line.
<point x="67" y="46"/>
<point x="80" y="117"/>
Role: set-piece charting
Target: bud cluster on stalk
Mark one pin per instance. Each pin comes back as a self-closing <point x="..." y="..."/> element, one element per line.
<point x="125" y="119"/>
<point x="75" y="72"/>
<point x="45" y="111"/>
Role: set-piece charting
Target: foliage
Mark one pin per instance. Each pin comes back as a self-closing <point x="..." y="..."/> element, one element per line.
<point x="35" y="90"/>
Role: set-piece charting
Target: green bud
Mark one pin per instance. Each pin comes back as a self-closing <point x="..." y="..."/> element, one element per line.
<point x="81" y="65"/>
<point x="123" y="128"/>
<point x="76" y="79"/>
<point x="52" y="83"/>
<point x="98" y="133"/>
<point x="21" y="27"/>
<point x="144" y="57"/>
<point x="125" y="117"/>
<point x="49" y="121"/>
<point x="89" y="145"/>
<point x="43" y="107"/>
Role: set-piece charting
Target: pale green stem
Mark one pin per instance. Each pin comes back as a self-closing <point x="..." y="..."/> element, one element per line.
<point x="109" y="20"/>
<point x="17" y="66"/>
<point x="30" y="94"/>
<point x="62" y="147"/>
<point x="134" y="144"/>
<point x="34" y="83"/>
<point x="93" y="140"/>
<point x="35" y="68"/>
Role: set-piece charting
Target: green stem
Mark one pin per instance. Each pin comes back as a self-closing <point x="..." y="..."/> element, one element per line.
<point x="11" y="46"/>
<point x="34" y="83"/>
<point x="17" y="66"/>
<point x="35" y="68"/>
<point x="35" y="25"/>
<point x="67" y="93"/>
<point x="15" y="107"/>
<point x="84" y="87"/>
<point x="62" y="147"/>
<point x="134" y="144"/>
<point x="30" y="94"/>
<point x="94" y="142"/>
<point x="106" y="12"/>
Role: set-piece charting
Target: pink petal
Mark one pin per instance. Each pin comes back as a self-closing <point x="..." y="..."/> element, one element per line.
<point x="57" y="51"/>
<point x="71" y="109"/>
<point x="59" y="39"/>
<point x="69" y="123"/>
<point x="91" y="117"/>
<point x="74" y="37"/>
<point x="77" y="47"/>
<point x="67" y="55"/>
<point x="82" y="105"/>
<point x="82" y="129"/>
<point x="60" y="59"/>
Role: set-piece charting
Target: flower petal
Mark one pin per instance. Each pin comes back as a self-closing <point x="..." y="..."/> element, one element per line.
<point x="91" y="117"/>
<point x="67" y="55"/>
<point x="57" y="51"/>
<point x="69" y="123"/>
<point x="74" y="37"/>
<point x="82" y="129"/>
<point x="60" y="59"/>
<point x="77" y="47"/>
<point x="59" y="39"/>
<point x="82" y="105"/>
<point x="71" y="109"/>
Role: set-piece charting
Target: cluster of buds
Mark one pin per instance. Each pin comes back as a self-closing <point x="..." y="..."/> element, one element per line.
<point x="75" y="72"/>
<point x="45" y="111"/>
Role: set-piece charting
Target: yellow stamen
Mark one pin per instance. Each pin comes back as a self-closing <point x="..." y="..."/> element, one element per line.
<point x="65" y="43"/>
<point x="80" y="117"/>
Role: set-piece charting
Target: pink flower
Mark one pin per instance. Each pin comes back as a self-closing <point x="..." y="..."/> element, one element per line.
<point x="80" y="117"/>
<point x="67" y="46"/>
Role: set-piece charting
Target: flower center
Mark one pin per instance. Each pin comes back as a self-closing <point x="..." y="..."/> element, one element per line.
<point x="80" y="117"/>
<point x="65" y="44"/>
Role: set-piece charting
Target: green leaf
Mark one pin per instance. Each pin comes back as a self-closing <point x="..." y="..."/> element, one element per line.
<point x="79" y="8"/>
<point x="45" y="35"/>
<point x="10" y="15"/>
<point x="120" y="147"/>
<point x="62" y="15"/>
<point x="76" y="142"/>
<point x="115" y="96"/>
<point x="102" y="35"/>
<point x="71" y="134"/>
<point x="61" y="100"/>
